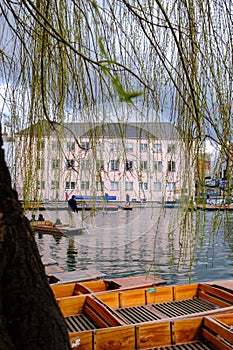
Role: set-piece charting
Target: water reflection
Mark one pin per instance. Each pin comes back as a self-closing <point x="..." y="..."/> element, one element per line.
<point x="71" y="255"/>
<point x="176" y="246"/>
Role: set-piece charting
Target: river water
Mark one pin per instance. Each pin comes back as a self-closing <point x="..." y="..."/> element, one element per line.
<point x="180" y="247"/>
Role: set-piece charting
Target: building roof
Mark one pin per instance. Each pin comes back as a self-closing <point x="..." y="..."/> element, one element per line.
<point x="136" y="130"/>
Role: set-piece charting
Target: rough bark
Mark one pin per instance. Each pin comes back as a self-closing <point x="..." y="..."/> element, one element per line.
<point x="29" y="315"/>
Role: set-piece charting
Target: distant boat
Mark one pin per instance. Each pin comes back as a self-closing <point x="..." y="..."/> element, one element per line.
<point x="215" y="207"/>
<point x="125" y="207"/>
<point x="33" y="205"/>
<point x="51" y="228"/>
<point x="170" y="204"/>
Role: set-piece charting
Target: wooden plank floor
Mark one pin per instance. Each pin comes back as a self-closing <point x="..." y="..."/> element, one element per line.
<point x="80" y="323"/>
<point x="152" y="312"/>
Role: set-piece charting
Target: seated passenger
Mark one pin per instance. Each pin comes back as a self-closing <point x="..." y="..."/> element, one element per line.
<point x="40" y="217"/>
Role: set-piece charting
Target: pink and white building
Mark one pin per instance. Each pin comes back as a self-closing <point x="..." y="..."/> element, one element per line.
<point x="144" y="160"/>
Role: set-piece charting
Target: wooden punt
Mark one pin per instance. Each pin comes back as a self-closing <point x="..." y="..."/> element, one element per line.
<point x="125" y="207"/>
<point x="98" y="326"/>
<point x="49" y="227"/>
<point x="105" y="285"/>
<point x="146" y="305"/>
<point x="215" y="207"/>
<point x="83" y="316"/>
<point x="200" y="333"/>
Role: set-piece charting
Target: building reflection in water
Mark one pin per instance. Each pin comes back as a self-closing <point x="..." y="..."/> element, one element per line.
<point x="71" y="255"/>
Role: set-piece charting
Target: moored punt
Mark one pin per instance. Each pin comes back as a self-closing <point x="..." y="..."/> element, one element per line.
<point x="125" y="207"/>
<point x="200" y="333"/>
<point x="33" y="205"/>
<point x="105" y="285"/>
<point x="51" y="228"/>
<point x="135" y="306"/>
<point x="197" y="315"/>
<point x="215" y="207"/>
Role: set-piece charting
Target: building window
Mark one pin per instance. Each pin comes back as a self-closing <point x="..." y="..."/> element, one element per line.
<point x="114" y="147"/>
<point x="171" y="186"/>
<point x="70" y="145"/>
<point x="114" y="186"/>
<point x="129" y="147"/>
<point x="100" y="186"/>
<point x="54" y="145"/>
<point x="40" y="163"/>
<point x="40" y="185"/>
<point x="84" y="185"/>
<point x="40" y="145"/>
<point x="85" y="164"/>
<point x="143" y="186"/>
<point x="129" y="165"/>
<point x="99" y="165"/>
<point x="157" y="147"/>
<point x="157" y="186"/>
<point x="114" y="164"/>
<point x="143" y="147"/>
<point x="85" y="144"/>
<point x="55" y="185"/>
<point x="70" y="164"/>
<point x="55" y="163"/>
<point x="171" y="166"/>
<point x="144" y="165"/>
<point x="158" y="165"/>
<point x="171" y="148"/>
<point x="70" y="185"/>
<point x="129" y="186"/>
<point x="99" y="146"/>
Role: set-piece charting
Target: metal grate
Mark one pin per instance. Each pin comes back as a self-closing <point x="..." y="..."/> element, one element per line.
<point x="152" y="312"/>
<point x="79" y="323"/>
<point x="137" y="314"/>
<point x="184" y="307"/>
<point x="190" y="346"/>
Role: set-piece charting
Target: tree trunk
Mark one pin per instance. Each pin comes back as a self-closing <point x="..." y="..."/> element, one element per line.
<point x="29" y="316"/>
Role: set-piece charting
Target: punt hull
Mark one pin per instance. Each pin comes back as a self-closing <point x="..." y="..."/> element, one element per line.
<point x="116" y="323"/>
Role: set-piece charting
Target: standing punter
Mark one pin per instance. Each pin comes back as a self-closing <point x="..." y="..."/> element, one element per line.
<point x="72" y="208"/>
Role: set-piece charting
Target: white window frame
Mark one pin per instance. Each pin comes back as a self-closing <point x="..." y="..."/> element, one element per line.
<point x="171" y="186"/>
<point x="143" y="147"/>
<point x="143" y="186"/>
<point x="84" y="185"/>
<point x="70" y="163"/>
<point x="114" y="165"/>
<point x="171" y="148"/>
<point x="171" y="166"/>
<point x="157" y="186"/>
<point x="129" y="165"/>
<point x="85" y="164"/>
<point x="70" y="145"/>
<point x="128" y="185"/>
<point x="143" y="165"/>
<point x="55" y="163"/>
<point x="157" y="147"/>
<point x="114" y="186"/>
<point x="129" y="146"/>
<point x="158" y="166"/>
<point x="55" y="185"/>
